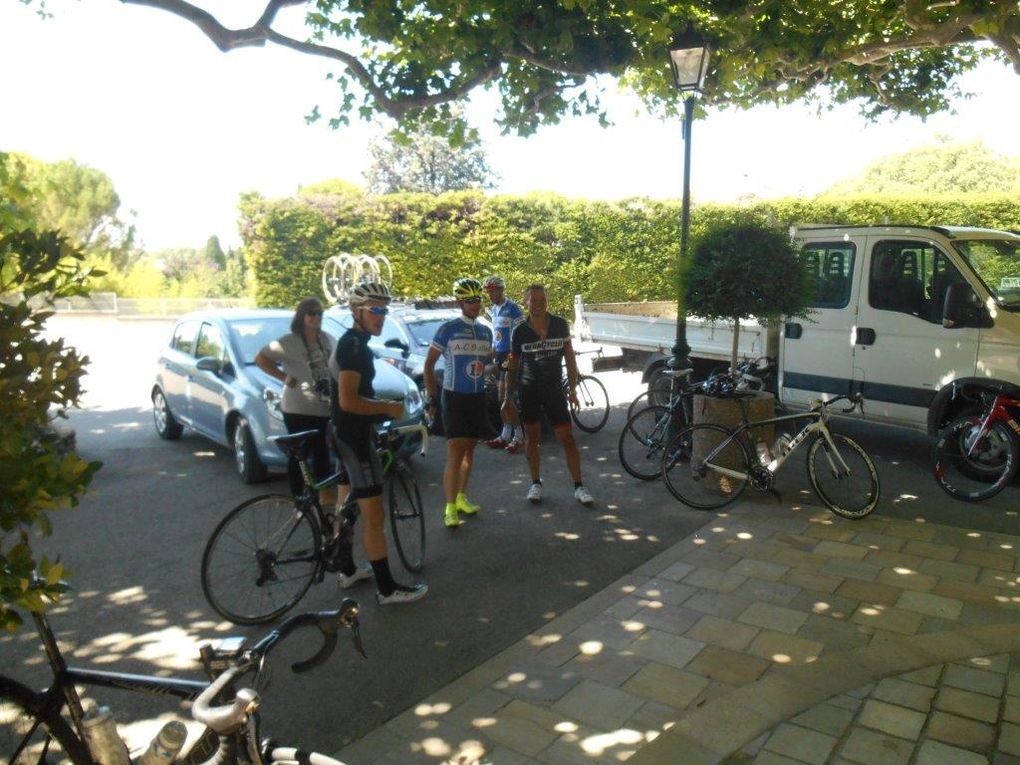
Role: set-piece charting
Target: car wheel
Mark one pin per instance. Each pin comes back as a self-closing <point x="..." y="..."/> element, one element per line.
<point x="166" y="426"/>
<point x="249" y="466"/>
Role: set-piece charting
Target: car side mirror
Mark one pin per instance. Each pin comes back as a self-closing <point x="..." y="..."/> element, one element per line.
<point x="961" y="308"/>
<point x="210" y="364"/>
<point x="395" y="342"/>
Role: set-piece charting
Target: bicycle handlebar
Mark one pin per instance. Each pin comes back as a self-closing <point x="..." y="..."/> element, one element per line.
<point x="856" y="402"/>
<point x="226" y="718"/>
<point x="389" y="431"/>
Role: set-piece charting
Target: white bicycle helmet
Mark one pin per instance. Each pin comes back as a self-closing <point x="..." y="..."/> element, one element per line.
<point x="369" y="291"/>
<point x="493" y="281"/>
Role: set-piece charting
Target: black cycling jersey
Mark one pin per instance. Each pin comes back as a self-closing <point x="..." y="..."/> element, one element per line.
<point x="541" y="361"/>
<point x="353" y="354"/>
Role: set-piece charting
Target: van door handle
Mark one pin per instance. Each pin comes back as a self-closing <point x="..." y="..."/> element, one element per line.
<point x="865" y="336"/>
<point x="793" y="330"/>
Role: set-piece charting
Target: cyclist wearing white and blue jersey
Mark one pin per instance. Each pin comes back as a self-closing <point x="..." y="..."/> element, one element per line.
<point x="506" y="315"/>
<point x="466" y="347"/>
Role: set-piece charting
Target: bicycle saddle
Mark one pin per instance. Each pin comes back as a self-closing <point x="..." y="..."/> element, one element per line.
<point x="295" y="443"/>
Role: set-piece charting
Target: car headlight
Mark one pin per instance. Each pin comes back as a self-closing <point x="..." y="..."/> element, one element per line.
<point x="413" y="402"/>
<point x="273" y="401"/>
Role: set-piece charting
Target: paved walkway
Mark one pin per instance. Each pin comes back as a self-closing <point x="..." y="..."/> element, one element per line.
<point x="772" y="635"/>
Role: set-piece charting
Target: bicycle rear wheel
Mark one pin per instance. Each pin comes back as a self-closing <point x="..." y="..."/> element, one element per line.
<point x="851" y="492"/>
<point x="642" y="441"/>
<point x="972" y="465"/>
<point x="407" y="520"/>
<point x="694" y="482"/>
<point x="641" y="401"/>
<point x="593" y="412"/>
<point x="261" y="559"/>
<point x="32" y="732"/>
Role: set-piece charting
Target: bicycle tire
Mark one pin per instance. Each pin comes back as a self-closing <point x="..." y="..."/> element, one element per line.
<point x="407" y="519"/>
<point x="971" y="470"/>
<point x="237" y="559"/>
<point x="841" y="506"/>
<point x="641" y="401"/>
<point x="690" y="481"/>
<point x="641" y="442"/>
<point x="593" y="414"/>
<point x="32" y="732"/>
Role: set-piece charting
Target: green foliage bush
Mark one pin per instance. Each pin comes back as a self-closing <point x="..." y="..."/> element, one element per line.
<point x="606" y="251"/>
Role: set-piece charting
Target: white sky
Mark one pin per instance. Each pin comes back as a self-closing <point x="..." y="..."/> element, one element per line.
<point x="183" y="129"/>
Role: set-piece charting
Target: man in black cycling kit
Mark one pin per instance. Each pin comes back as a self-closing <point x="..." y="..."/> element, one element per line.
<point x="355" y="414"/>
<point x="539" y="346"/>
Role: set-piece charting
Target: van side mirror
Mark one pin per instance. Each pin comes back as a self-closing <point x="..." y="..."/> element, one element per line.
<point x="961" y="308"/>
<point x="395" y="342"/>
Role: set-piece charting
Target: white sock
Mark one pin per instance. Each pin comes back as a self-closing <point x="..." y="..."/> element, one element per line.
<point x="518" y="434"/>
<point x="507" y="432"/>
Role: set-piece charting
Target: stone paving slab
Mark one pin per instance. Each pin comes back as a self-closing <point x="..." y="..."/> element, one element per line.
<point x="772" y="635"/>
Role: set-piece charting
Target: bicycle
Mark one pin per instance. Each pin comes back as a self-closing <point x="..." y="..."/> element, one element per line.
<point x="648" y="430"/>
<point x="975" y="456"/>
<point x="50" y="726"/>
<point x="708" y="466"/>
<point x="591" y="415"/>
<point x="592" y="412"/>
<point x="265" y="554"/>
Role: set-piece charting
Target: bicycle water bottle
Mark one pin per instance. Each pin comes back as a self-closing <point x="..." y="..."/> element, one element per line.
<point x="764" y="457"/>
<point x="104" y="742"/>
<point x="781" y="445"/>
<point x="165" y="745"/>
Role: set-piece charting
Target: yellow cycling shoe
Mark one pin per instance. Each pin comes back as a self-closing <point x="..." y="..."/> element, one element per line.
<point x="464" y="506"/>
<point x="450" y="517"/>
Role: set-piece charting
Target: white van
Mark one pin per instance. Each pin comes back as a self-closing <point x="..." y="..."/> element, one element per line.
<point x="913" y="317"/>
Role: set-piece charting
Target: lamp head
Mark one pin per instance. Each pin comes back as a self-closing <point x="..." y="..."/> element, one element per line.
<point x="688" y="58"/>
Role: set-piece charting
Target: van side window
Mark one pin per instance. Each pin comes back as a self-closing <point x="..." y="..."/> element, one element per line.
<point x="911" y="278"/>
<point x="184" y="337"/>
<point x="830" y="269"/>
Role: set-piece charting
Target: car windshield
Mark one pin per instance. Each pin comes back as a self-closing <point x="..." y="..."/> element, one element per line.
<point x="997" y="264"/>
<point x="251" y="335"/>
<point x="424" y="330"/>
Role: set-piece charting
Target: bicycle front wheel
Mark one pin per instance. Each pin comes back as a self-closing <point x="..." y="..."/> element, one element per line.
<point x="642" y="441"/>
<point x="407" y="520"/>
<point x="593" y="412"/>
<point x="691" y="467"/>
<point x="261" y="559"/>
<point x="971" y="464"/>
<point x="641" y="401"/>
<point x="844" y="477"/>
<point x="32" y="732"/>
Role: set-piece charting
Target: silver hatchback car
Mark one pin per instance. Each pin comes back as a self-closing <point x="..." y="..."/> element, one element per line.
<point x="206" y="380"/>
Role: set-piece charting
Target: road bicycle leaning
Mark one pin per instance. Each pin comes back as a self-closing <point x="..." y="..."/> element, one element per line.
<point x="709" y="466"/>
<point x="649" y="429"/>
<point x="975" y="456"/>
<point x="51" y="727"/>
<point x="265" y="554"/>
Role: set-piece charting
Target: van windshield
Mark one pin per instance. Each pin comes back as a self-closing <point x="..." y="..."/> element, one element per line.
<point x="997" y="264"/>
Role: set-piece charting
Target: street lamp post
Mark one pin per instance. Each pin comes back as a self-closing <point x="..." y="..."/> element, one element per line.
<point x="688" y="58"/>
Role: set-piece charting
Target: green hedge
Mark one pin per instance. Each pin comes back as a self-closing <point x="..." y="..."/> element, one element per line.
<point x="606" y="251"/>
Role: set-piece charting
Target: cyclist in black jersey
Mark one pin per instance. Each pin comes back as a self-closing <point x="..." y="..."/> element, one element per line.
<point x="355" y="413"/>
<point x="539" y="346"/>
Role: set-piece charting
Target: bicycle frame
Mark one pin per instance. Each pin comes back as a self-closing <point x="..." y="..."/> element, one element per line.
<point x="999" y="410"/>
<point x="817" y="426"/>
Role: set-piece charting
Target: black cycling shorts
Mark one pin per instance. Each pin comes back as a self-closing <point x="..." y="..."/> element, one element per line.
<point x="360" y="461"/>
<point x="538" y="396"/>
<point x="464" y="415"/>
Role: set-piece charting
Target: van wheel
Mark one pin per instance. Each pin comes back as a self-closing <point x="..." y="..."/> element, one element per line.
<point x="659" y="386"/>
<point x="246" y="456"/>
<point x="166" y="426"/>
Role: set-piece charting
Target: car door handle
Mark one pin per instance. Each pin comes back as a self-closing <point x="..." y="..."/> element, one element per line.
<point x="865" y="336"/>
<point x="793" y="330"/>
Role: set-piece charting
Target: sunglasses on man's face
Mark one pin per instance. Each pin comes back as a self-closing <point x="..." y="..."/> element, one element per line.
<point x="473" y="301"/>
<point x="378" y="310"/>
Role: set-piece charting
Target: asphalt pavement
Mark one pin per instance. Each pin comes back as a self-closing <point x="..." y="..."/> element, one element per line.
<point x="135" y="542"/>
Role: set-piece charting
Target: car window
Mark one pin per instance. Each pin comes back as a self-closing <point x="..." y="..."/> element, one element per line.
<point x="390" y="331"/>
<point x="184" y="337"/>
<point x="424" y="330"/>
<point x="210" y="343"/>
<point x="910" y="277"/>
<point x="251" y="335"/>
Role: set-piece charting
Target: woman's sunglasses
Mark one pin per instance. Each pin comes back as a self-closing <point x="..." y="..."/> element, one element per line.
<point x="313" y="313"/>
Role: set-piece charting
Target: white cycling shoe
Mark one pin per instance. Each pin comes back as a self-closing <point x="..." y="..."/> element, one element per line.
<point x="534" y="494"/>
<point x="582" y="495"/>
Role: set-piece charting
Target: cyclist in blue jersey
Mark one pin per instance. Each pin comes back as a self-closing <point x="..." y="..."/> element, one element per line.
<point x="466" y="347"/>
<point x="506" y="314"/>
